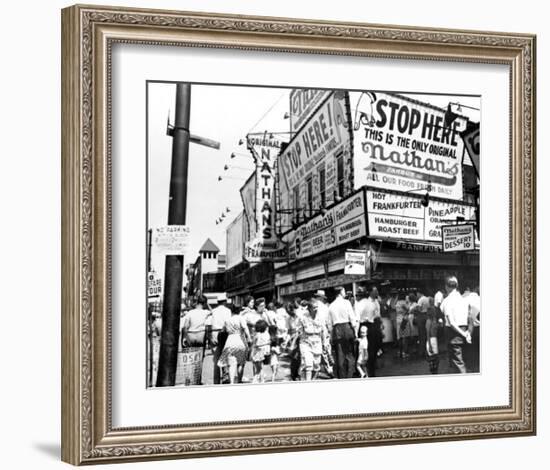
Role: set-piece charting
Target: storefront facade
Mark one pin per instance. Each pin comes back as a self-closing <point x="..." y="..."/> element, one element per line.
<point x="391" y="266"/>
<point x="406" y="179"/>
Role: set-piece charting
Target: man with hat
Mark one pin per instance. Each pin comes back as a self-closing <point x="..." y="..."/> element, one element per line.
<point x="322" y="313"/>
<point x="322" y="307"/>
<point x="219" y="316"/>
<point x="342" y="325"/>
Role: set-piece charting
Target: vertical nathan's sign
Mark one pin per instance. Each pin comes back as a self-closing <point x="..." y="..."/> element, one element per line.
<point x="266" y="245"/>
<point x="402" y="144"/>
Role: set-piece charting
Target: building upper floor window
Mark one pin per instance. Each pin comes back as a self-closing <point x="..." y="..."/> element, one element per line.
<point x="322" y="187"/>
<point x="295" y="201"/>
<point x="309" y="186"/>
<point x="340" y="174"/>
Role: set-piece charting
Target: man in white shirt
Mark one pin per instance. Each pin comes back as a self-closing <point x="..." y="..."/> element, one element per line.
<point x="368" y="307"/>
<point x="219" y="316"/>
<point x="322" y="307"/>
<point x="456" y="309"/>
<point x="194" y="324"/>
<point x="368" y="311"/>
<point x="342" y="325"/>
<point x="438" y="299"/>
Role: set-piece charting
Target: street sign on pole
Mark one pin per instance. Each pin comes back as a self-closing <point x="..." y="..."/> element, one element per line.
<point x="197" y="139"/>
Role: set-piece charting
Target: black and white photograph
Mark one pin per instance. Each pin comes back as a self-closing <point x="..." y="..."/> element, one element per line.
<point x="299" y="234"/>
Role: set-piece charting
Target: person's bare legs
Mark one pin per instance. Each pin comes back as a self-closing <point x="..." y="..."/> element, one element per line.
<point x="257" y="367"/>
<point x="274" y="370"/>
<point x="274" y="362"/>
<point x="240" y="372"/>
<point x="232" y="369"/>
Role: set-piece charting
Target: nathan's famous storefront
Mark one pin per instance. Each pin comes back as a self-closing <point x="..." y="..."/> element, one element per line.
<point x="405" y="241"/>
<point x="393" y="267"/>
<point x="405" y="266"/>
<point x="317" y="249"/>
<point x="402" y="248"/>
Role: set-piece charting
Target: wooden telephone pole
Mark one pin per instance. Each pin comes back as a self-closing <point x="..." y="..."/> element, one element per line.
<point x="177" y="208"/>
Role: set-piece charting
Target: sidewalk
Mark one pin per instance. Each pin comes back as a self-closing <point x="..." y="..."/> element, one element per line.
<point x="389" y="365"/>
<point x="283" y="374"/>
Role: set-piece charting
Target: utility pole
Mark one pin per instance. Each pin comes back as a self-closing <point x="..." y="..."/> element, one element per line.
<point x="149" y="243"/>
<point x="173" y="271"/>
<point x="177" y="208"/>
<point x="149" y="315"/>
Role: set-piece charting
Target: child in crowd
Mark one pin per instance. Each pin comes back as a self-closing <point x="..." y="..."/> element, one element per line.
<point x="261" y="347"/>
<point x="363" y="352"/>
<point x="276" y="348"/>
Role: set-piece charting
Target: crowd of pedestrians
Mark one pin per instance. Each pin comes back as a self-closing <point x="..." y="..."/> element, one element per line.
<point x="340" y="339"/>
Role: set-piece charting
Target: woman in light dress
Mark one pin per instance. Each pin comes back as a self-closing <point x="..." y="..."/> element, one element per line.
<point x="402" y="325"/>
<point x="235" y="351"/>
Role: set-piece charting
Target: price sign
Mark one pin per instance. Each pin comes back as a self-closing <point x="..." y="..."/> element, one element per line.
<point x="458" y="237"/>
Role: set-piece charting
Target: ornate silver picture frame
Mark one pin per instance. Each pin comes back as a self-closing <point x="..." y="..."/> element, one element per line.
<point x="89" y="34"/>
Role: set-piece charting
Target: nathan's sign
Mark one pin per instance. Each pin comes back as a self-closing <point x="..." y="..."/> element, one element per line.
<point x="399" y="217"/>
<point x="402" y="144"/>
<point x="458" y="237"/>
<point x="320" y="138"/>
<point x="303" y="102"/>
<point x="340" y="224"/>
<point x="260" y="250"/>
<point x="355" y="262"/>
<point x="265" y="245"/>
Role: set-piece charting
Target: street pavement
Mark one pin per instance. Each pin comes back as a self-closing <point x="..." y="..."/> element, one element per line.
<point x="389" y="365"/>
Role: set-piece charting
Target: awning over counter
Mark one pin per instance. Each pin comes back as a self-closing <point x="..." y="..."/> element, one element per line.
<point x="323" y="283"/>
<point x="390" y="262"/>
